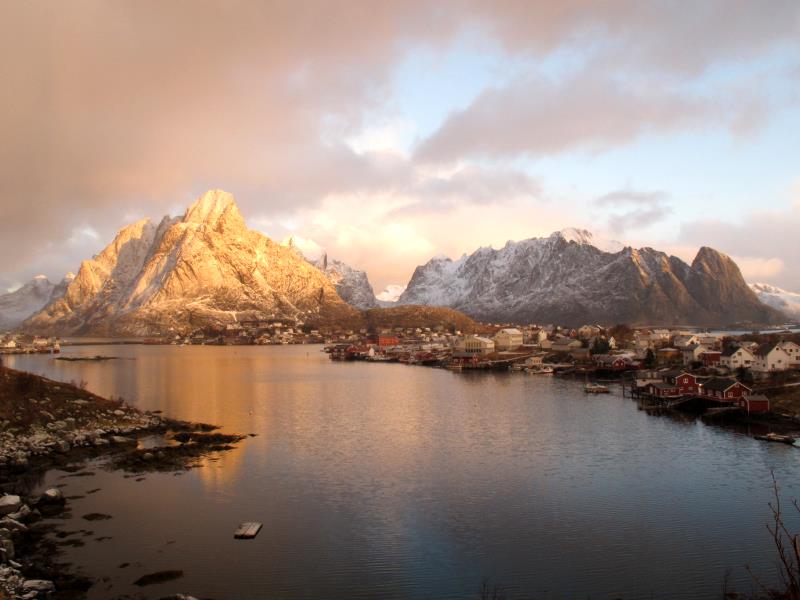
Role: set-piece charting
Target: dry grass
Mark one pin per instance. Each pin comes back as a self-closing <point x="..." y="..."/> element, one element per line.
<point x="27" y="400"/>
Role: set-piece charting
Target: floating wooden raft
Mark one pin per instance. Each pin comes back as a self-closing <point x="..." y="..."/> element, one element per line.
<point x="247" y="531"/>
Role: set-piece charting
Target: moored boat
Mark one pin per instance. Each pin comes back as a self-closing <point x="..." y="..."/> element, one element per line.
<point x="776" y="437"/>
<point x="595" y="388"/>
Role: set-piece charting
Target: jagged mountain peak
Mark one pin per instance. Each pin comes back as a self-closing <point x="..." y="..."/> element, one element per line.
<point x="711" y="261"/>
<point x="587" y="238"/>
<point x="573" y="234"/>
<point x="566" y="278"/>
<point x="215" y="209"/>
<point x="205" y="269"/>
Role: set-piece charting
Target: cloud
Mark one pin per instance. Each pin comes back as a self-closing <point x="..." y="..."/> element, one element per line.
<point x="628" y="209"/>
<point x="137" y="107"/>
<point x="436" y="193"/>
<point x="764" y="243"/>
<point x="756" y="269"/>
<point x="534" y="116"/>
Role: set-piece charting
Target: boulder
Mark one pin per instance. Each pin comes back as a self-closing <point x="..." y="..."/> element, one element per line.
<point x="9" y="504"/>
<point x="122" y="440"/>
<point x="6" y="548"/>
<point x="22" y="514"/>
<point x="12" y="525"/>
<point x="38" y="585"/>
<point x="53" y="496"/>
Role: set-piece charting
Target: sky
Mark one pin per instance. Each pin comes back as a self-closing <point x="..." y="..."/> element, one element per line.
<point x="395" y="131"/>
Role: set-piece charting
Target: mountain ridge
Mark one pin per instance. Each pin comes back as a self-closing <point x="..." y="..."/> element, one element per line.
<point x="778" y="298"/>
<point x="564" y="278"/>
<point x="30" y="298"/>
<point x="205" y="268"/>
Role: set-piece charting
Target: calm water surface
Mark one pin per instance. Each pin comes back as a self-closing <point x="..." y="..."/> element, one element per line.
<point x="388" y="481"/>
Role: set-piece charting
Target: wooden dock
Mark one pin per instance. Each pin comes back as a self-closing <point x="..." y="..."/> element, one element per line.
<point x="247" y="531"/>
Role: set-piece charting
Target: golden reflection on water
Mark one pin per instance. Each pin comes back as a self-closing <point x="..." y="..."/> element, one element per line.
<point x="387" y="480"/>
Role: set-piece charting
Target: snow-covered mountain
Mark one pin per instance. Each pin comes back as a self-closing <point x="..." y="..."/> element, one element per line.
<point x="20" y="304"/>
<point x="787" y="302"/>
<point x="205" y="268"/>
<point x="351" y="284"/>
<point x="565" y="278"/>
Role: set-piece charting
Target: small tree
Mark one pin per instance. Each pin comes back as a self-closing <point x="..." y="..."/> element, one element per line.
<point x="744" y="375"/>
<point x="600" y="346"/>
<point x="649" y="359"/>
<point x="621" y="332"/>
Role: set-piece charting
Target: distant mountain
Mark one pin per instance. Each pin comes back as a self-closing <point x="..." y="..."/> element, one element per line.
<point x="352" y="285"/>
<point x="203" y="269"/>
<point x="565" y="278"/>
<point x="786" y="302"/>
<point x="389" y="297"/>
<point x="20" y="304"/>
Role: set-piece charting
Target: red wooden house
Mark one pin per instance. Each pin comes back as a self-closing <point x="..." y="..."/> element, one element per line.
<point x="756" y="403"/>
<point x="711" y="358"/>
<point x="723" y="389"/>
<point x="661" y="389"/>
<point x="687" y="383"/>
<point x="383" y="340"/>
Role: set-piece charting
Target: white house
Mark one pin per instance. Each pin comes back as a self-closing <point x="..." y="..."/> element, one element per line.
<point x="683" y="341"/>
<point x="770" y="357"/>
<point x="471" y="345"/>
<point x="733" y="358"/>
<point x="508" y="339"/>
<point x="711" y="342"/>
<point x="693" y="353"/>
<point x="793" y="350"/>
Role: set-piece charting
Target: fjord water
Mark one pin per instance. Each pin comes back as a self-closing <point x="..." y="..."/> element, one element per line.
<point x="388" y="481"/>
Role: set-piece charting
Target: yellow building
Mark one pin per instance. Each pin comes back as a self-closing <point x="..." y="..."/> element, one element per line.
<point x="508" y="339"/>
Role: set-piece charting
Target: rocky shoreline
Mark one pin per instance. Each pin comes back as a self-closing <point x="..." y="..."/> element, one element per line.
<point x="47" y="424"/>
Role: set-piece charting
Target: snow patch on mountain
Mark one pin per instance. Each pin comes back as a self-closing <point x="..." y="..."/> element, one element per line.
<point x="28" y="299"/>
<point x="391" y="293"/>
<point x="783" y="300"/>
<point x="583" y="236"/>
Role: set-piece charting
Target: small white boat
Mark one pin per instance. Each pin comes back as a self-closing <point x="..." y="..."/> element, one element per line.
<point x="595" y="388"/>
<point x="539" y="370"/>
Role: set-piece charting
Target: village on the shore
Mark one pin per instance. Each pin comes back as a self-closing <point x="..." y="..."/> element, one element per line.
<point x="661" y="367"/>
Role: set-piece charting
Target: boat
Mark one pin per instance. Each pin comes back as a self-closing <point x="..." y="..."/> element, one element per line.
<point x="595" y="388"/>
<point x="776" y="437"/>
<point x="539" y="370"/>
